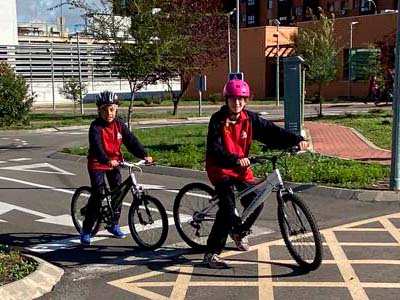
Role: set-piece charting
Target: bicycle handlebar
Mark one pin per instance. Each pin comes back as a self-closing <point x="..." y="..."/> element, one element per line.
<point x="273" y="158"/>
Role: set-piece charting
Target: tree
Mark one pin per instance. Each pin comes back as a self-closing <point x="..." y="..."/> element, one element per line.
<point x="72" y="90"/>
<point x="136" y="41"/>
<point x="201" y="26"/>
<point x="15" y="99"/>
<point x="317" y="46"/>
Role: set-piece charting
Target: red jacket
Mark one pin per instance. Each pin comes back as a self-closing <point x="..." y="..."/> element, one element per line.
<point x="227" y="142"/>
<point x="105" y="140"/>
<point x="236" y="141"/>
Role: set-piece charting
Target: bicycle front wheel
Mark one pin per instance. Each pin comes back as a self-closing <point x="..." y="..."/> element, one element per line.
<point x="148" y="222"/>
<point x="79" y="204"/>
<point x="300" y="232"/>
<point x="193" y="214"/>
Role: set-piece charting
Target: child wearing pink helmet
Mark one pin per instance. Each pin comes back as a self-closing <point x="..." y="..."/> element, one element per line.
<point x="230" y="133"/>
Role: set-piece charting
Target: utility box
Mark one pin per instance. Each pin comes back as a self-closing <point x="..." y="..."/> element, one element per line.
<point x="294" y="94"/>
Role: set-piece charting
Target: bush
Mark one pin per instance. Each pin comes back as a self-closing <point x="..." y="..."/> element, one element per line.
<point x="15" y="100"/>
<point x="72" y="90"/>
<point x="215" y="98"/>
<point x="147" y="101"/>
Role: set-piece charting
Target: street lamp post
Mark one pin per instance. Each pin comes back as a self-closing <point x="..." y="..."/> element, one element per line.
<point x="277" y="23"/>
<point x="395" y="163"/>
<point x="350" y="48"/>
<point x="373" y="2"/>
<point x="229" y="14"/>
<point x="52" y="75"/>
<point x="80" y="71"/>
<point x="237" y="37"/>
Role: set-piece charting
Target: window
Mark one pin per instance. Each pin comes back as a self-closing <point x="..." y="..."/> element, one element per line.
<point x="250" y="2"/>
<point x="299" y="11"/>
<point x="251" y="20"/>
<point x="269" y="4"/>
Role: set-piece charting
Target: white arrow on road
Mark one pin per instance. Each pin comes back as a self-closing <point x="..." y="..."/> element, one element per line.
<point x="64" y="220"/>
<point x="35" y="167"/>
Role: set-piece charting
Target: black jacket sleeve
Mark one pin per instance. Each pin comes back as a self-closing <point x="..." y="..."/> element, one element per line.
<point x="96" y="144"/>
<point x="215" y="144"/>
<point x="271" y="135"/>
<point x="131" y="142"/>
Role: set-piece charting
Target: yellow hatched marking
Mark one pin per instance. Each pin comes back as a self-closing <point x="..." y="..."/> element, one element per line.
<point x="361" y="229"/>
<point x="364" y="244"/>
<point x="265" y="281"/>
<point x="265" y="288"/>
<point x="392" y="229"/>
<point x="348" y="273"/>
<point x="182" y="283"/>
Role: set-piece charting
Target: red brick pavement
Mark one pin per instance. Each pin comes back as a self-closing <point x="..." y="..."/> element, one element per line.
<point x="340" y="141"/>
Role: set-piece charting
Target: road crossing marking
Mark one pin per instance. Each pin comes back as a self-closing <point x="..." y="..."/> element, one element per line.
<point x="36" y="168"/>
<point x="146" y="284"/>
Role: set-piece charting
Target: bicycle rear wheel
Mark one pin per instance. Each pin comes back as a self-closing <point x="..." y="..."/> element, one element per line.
<point x="79" y="204"/>
<point x="300" y="232"/>
<point x="192" y="222"/>
<point x="148" y="222"/>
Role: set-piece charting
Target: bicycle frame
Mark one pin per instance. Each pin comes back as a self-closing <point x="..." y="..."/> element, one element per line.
<point x="266" y="185"/>
<point x="120" y="192"/>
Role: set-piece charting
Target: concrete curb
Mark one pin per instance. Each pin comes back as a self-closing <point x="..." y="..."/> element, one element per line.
<point x="35" y="284"/>
<point x="338" y="193"/>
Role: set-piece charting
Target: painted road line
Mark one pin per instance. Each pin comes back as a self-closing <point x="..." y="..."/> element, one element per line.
<point x="20" y="159"/>
<point x="64" y="220"/>
<point x="139" y="284"/>
<point x="36" y="167"/>
<point x="46" y="187"/>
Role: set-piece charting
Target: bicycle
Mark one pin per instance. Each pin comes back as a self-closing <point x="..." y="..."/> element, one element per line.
<point x="195" y="207"/>
<point x="147" y="218"/>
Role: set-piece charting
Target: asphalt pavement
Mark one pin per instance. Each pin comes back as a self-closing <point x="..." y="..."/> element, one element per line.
<point x="361" y="238"/>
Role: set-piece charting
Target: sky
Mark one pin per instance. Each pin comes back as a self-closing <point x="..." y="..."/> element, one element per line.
<point x="38" y="11"/>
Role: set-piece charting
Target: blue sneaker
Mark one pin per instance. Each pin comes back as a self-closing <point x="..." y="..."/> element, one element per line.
<point x="85" y="239"/>
<point x="116" y="231"/>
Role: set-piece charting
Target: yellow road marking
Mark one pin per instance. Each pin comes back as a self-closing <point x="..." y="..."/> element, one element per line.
<point x="349" y="276"/>
<point x="263" y="262"/>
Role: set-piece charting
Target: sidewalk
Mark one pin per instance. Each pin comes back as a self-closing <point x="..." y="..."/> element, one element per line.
<point x="346" y="143"/>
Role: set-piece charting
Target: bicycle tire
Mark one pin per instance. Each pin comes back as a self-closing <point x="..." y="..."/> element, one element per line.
<point x="148" y="235"/>
<point x="78" y="205"/>
<point x="293" y="206"/>
<point x="191" y="199"/>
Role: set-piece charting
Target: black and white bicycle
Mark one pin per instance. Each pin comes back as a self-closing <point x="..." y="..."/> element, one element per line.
<point x="195" y="207"/>
<point x="147" y="218"/>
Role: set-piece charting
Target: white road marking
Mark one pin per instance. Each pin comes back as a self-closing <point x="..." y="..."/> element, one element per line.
<point x="35" y="167"/>
<point x="20" y="159"/>
<point x="47" y="187"/>
<point x="62" y="219"/>
<point x="46" y="218"/>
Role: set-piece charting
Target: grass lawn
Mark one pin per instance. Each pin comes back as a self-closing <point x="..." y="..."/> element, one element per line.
<point x="184" y="146"/>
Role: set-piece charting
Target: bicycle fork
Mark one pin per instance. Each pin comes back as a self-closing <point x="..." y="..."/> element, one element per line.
<point x="141" y="202"/>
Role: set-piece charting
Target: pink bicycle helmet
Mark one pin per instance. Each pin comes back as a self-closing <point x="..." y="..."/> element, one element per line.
<point x="236" y="88"/>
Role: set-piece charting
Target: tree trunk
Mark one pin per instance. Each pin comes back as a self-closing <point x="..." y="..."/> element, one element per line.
<point x="130" y="110"/>
<point x="186" y="77"/>
<point x="175" y="101"/>
<point x="319" y="99"/>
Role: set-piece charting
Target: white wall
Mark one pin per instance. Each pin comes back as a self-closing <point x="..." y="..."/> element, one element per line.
<point x="8" y="22"/>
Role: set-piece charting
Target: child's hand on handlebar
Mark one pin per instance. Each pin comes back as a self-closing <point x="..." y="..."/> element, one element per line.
<point x="303" y="145"/>
<point x="148" y="159"/>
<point x="113" y="163"/>
<point x="243" y="162"/>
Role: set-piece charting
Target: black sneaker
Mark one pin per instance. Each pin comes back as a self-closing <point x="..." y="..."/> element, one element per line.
<point x="214" y="261"/>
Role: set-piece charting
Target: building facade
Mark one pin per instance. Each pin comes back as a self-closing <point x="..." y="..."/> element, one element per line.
<point x="254" y="13"/>
<point x="258" y="55"/>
